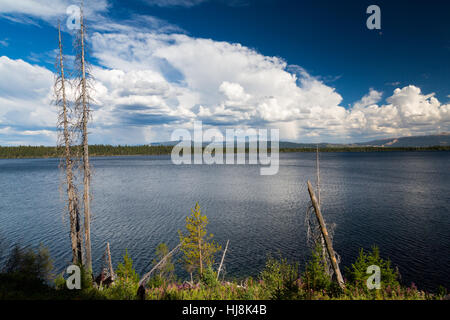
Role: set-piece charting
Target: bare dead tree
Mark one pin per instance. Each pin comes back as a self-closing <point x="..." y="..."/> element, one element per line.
<point x="82" y="103"/>
<point x="67" y="161"/>
<point x="110" y="267"/>
<point x="315" y="236"/>
<point x="221" y="261"/>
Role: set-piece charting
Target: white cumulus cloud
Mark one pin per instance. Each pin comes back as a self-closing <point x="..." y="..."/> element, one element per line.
<point x="149" y="83"/>
<point x="25" y="95"/>
<point x="26" y="11"/>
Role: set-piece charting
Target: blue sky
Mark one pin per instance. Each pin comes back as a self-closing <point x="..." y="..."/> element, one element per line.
<point x="310" y="68"/>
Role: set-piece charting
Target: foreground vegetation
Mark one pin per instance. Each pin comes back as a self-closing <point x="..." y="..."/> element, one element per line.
<point x="279" y="280"/>
<point x="108" y="150"/>
<point x="27" y="274"/>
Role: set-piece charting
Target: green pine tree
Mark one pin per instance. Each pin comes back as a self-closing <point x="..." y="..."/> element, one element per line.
<point x="125" y="270"/>
<point x="127" y="282"/>
<point x="198" y="248"/>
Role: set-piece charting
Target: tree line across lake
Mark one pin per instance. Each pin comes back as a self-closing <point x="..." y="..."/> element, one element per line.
<point x="14" y="152"/>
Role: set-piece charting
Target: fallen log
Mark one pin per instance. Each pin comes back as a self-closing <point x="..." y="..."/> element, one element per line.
<point x="327" y="239"/>
<point x="148" y="274"/>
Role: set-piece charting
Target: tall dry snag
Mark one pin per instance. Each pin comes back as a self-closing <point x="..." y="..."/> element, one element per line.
<point x="82" y="107"/>
<point x="65" y="142"/>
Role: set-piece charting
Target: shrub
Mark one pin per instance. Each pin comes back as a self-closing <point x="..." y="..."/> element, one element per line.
<point x="209" y="277"/>
<point x="316" y="279"/>
<point x="279" y="278"/>
<point x="30" y="264"/>
<point x="441" y="292"/>
<point x="156" y="281"/>
<point x="60" y="282"/>
<point x="357" y="275"/>
<point x="126" y="283"/>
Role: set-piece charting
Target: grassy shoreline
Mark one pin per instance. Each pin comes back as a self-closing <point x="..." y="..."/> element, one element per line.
<point x="30" y="277"/>
<point x="21" y="152"/>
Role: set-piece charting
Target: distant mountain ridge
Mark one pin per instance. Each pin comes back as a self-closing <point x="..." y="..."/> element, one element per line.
<point x="442" y="139"/>
<point x="282" y="144"/>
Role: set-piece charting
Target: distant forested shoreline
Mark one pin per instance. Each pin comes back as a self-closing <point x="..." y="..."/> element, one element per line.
<point x="17" y="152"/>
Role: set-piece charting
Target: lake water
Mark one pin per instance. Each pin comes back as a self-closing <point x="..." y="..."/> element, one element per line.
<point x="399" y="201"/>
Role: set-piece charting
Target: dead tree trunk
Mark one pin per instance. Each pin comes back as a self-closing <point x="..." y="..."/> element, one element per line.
<point x="86" y="167"/>
<point x="83" y="101"/>
<point x="328" y="242"/>
<point x="322" y="240"/>
<point x="63" y="123"/>
<point x="221" y="261"/>
<point x="111" y="270"/>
